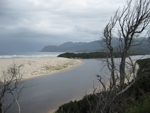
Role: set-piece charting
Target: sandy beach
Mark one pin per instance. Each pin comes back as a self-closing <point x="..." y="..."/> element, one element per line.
<point x="33" y="67"/>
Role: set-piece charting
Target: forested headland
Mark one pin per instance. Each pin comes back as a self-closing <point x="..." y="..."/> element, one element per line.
<point x="89" y="55"/>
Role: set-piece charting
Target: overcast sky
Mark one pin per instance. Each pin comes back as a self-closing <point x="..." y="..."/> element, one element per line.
<point x="29" y="25"/>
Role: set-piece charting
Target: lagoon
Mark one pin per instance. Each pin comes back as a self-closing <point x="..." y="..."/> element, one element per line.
<point x="47" y="93"/>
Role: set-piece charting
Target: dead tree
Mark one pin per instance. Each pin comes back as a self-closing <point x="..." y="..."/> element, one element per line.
<point x="128" y="24"/>
<point x="107" y="43"/>
<point x="132" y="21"/>
<point x="10" y="83"/>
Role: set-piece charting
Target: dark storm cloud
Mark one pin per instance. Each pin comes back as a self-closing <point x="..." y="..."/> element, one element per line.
<point x="29" y="25"/>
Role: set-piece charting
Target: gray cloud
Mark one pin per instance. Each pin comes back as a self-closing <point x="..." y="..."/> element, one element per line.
<point x="29" y="25"/>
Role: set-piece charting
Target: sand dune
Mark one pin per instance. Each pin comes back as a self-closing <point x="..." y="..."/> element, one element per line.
<point x="33" y="67"/>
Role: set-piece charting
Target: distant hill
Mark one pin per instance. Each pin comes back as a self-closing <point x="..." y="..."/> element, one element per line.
<point x="95" y="46"/>
<point x="74" y="47"/>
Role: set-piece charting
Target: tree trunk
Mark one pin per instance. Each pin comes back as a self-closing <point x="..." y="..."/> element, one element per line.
<point x="122" y="70"/>
<point x="0" y="107"/>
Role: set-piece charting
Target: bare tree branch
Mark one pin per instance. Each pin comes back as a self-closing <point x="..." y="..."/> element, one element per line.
<point x="10" y="83"/>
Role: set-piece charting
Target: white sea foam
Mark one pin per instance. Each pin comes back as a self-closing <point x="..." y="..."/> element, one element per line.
<point x="29" y="55"/>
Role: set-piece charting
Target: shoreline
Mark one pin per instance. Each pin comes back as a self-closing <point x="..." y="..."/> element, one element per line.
<point x="37" y="67"/>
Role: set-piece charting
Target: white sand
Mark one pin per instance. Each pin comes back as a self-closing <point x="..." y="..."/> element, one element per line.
<point x="130" y="72"/>
<point x="33" y="67"/>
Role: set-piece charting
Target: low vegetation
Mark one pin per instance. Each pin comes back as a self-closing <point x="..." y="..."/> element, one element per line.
<point x="87" y="55"/>
<point x="57" y="67"/>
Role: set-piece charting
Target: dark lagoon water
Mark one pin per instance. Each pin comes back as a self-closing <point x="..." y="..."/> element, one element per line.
<point x="49" y="92"/>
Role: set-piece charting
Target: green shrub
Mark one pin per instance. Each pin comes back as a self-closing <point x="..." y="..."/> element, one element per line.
<point x="142" y="106"/>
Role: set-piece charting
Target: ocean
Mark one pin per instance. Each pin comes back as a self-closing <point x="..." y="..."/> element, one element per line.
<point x="7" y="55"/>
